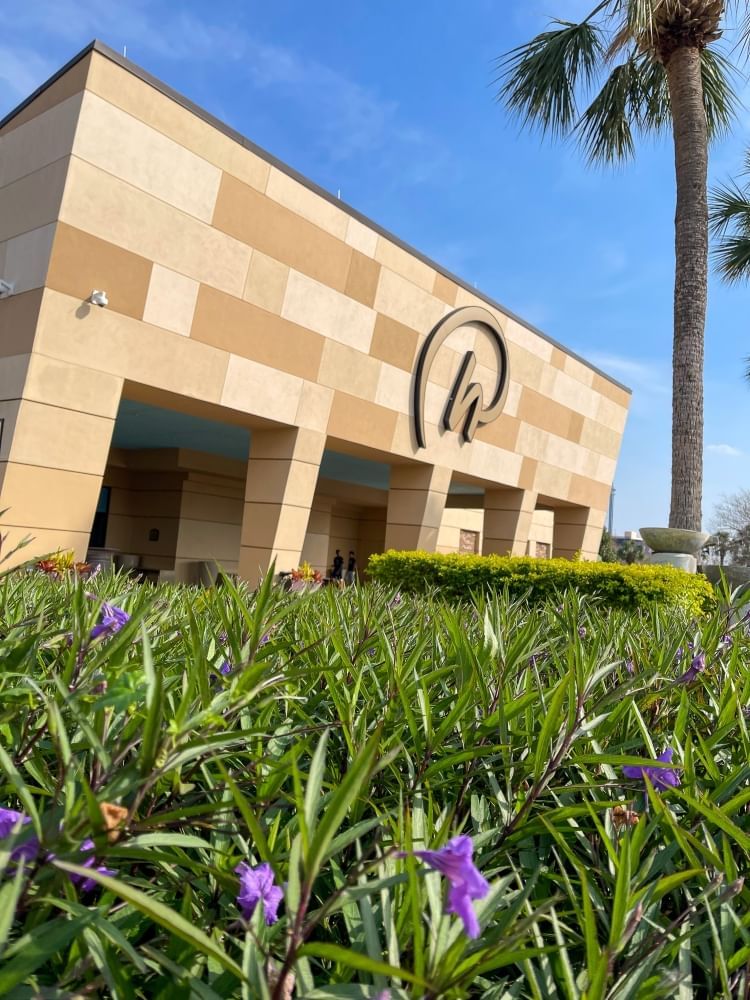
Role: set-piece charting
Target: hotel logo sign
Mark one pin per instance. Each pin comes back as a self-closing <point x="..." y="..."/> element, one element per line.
<point x="465" y="407"/>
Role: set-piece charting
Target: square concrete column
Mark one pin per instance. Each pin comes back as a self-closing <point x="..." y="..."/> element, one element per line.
<point x="416" y="501"/>
<point x="507" y="521"/>
<point x="282" y="474"/>
<point x="577" y="531"/>
<point x="57" y="424"/>
<point x="316" y="548"/>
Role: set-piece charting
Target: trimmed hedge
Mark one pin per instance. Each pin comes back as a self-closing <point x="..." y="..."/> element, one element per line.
<point x="619" y="585"/>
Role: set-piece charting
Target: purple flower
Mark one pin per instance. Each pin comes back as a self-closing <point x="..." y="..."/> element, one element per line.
<point x="660" y="777"/>
<point x="630" y="666"/>
<point x="87" y="884"/>
<point x="111" y="620"/>
<point x="225" y="668"/>
<point x="697" y="666"/>
<point x="266" y="637"/>
<point x="582" y="631"/>
<point x="396" y="600"/>
<point x="9" y="819"/>
<point x="726" y="640"/>
<point x="257" y="885"/>
<point x="466" y="881"/>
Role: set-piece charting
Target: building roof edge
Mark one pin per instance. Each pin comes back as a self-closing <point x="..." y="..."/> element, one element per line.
<point x="185" y="102"/>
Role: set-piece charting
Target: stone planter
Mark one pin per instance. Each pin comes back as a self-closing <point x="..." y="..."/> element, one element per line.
<point x="675" y="546"/>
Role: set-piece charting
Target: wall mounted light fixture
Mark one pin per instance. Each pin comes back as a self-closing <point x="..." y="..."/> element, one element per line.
<point x="6" y="288"/>
<point x="99" y="298"/>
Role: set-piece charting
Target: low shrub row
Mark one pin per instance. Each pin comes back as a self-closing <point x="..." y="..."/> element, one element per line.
<point x="458" y="576"/>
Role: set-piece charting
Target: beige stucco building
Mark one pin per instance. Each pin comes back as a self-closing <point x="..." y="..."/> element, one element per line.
<point x="249" y="391"/>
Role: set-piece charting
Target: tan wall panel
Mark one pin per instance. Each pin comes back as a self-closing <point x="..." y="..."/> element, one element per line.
<point x="394" y="342"/>
<point x="407" y="265"/>
<point x="266" y="282"/>
<point x="135" y="96"/>
<point x="13" y="372"/>
<point x="40" y="141"/>
<point x="600" y="439"/>
<point x="445" y="289"/>
<point x="234" y="325"/>
<point x="314" y="407"/>
<point x="26" y="492"/>
<point x="71" y="83"/>
<point x="261" y="223"/>
<point x="205" y="540"/>
<point x="60" y="439"/>
<point x="361" y="237"/>
<point x="109" y="208"/>
<point x="114" y="343"/>
<point x="502" y="432"/>
<point x="32" y="201"/>
<point x="18" y="319"/>
<point x="588" y="492"/>
<point x="354" y="419"/>
<point x="362" y="282"/>
<point x="124" y="146"/>
<point x="302" y="201"/>
<point x="618" y="395"/>
<point x="81" y="263"/>
<point x="61" y="384"/>
<point x="540" y="411"/>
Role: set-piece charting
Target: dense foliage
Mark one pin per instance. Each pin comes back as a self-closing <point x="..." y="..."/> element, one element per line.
<point x="622" y="586"/>
<point x="324" y="735"/>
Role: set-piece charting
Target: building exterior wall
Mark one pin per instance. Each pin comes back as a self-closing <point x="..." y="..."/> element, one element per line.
<point x="234" y="285"/>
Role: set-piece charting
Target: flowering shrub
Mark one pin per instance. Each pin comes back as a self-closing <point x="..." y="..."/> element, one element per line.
<point x="622" y="586"/>
<point x="306" y="578"/>
<point x="360" y="794"/>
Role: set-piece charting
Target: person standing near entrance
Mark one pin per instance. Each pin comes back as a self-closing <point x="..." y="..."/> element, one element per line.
<point x="351" y="569"/>
<point x="338" y="566"/>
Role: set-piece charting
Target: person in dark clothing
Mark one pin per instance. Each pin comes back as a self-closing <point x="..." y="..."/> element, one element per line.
<point x="338" y="566"/>
<point x="351" y="569"/>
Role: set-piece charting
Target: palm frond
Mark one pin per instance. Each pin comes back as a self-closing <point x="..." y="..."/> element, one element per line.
<point x="604" y="130"/>
<point x="719" y="97"/>
<point x="538" y="80"/>
<point x="733" y="258"/>
<point x="730" y="207"/>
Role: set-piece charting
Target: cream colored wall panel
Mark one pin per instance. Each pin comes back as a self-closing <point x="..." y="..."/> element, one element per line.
<point x="123" y="346"/>
<point x="404" y="301"/>
<point x="27" y="258"/>
<point x="40" y="141"/>
<point x="115" y="211"/>
<point x="122" y="145"/>
<point x="204" y="540"/>
<point x="53" y="438"/>
<point x="116" y="85"/>
<point x="310" y="304"/>
<point x="530" y="342"/>
<point x="170" y="302"/>
<point x="361" y="237"/>
<point x="577" y="370"/>
<point x="72" y="386"/>
<point x="394" y="388"/>
<point x="267" y="392"/>
<point x="342" y="367"/>
<point x="600" y="439"/>
<point x="605" y="469"/>
<point x="525" y="367"/>
<point x="572" y="394"/>
<point x="552" y="481"/>
<point x="513" y="398"/>
<point x="266" y="282"/>
<point x="611" y="414"/>
<point x="32" y="201"/>
<point x="405" y="264"/>
<point x="300" y="199"/>
<point x="495" y="464"/>
<point x="314" y="406"/>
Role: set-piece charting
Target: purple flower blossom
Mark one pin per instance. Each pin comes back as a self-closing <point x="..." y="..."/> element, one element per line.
<point x="466" y="881"/>
<point x="697" y="666"/>
<point x="630" y="666"/>
<point x="582" y="631"/>
<point x="266" y="637"/>
<point x="679" y="654"/>
<point x="397" y="599"/>
<point x="225" y="668"/>
<point x="9" y="819"/>
<point x="87" y="884"/>
<point x="111" y="620"/>
<point x="660" y="777"/>
<point x="257" y="885"/>
<point x="726" y="640"/>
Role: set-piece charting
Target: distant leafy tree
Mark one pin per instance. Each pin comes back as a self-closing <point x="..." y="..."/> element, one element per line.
<point x="607" y="548"/>
<point x="630" y="551"/>
<point x="633" y="67"/>
<point x="732" y="513"/>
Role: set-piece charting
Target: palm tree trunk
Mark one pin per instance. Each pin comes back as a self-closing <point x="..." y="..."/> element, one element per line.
<point x="683" y="71"/>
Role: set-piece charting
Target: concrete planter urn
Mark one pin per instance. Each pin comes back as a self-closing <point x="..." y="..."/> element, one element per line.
<point x="675" y="546"/>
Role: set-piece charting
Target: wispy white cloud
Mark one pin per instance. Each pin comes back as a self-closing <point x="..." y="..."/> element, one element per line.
<point x="724" y="449"/>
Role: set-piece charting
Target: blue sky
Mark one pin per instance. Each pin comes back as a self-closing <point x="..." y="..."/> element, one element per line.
<point x="392" y="104"/>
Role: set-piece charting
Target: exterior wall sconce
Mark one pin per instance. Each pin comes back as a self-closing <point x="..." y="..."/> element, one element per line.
<point x="99" y="298"/>
<point x="6" y="288"/>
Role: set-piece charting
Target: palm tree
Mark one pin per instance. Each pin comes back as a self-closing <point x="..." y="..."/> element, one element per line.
<point x="730" y="223"/>
<point x="630" y="68"/>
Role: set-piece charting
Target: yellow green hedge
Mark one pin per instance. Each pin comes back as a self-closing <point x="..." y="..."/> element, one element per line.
<point x="622" y="586"/>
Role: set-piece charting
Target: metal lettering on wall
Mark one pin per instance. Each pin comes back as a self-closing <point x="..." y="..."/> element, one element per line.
<point x="466" y="399"/>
